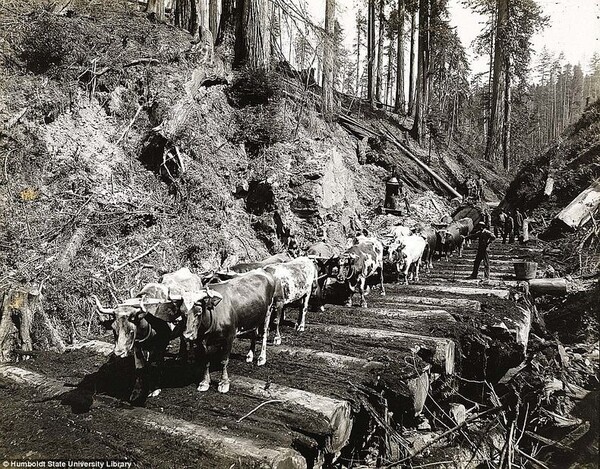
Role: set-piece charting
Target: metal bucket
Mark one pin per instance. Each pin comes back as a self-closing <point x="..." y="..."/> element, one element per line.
<point x="525" y="270"/>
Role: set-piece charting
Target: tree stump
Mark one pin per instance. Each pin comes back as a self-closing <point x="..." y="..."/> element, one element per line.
<point x="16" y="317"/>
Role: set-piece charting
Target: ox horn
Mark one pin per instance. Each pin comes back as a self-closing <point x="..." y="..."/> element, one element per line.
<point x="142" y="305"/>
<point x="101" y="308"/>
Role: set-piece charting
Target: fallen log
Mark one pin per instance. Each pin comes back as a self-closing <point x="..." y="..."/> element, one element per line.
<point x="548" y="286"/>
<point x="332" y="414"/>
<point x="416" y="388"/>
<point x="426" y="168"/>
<point x="473" y="305"/>
<point x="97" y="346"/>
<point x="582" y="208"/>
<point x="215" y="443"/>
<point x="438" y="351"/>
<point x="500" y="293"/>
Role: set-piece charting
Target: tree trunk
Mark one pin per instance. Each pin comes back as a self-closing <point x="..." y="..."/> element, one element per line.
<point x="422" y="99"/>
<point x="506" y="123"/>
<point x="388" y="82"/>
<point x="496" y="102"/>
<point x="328" y="61"/>
<point x="186" y="15"/>
<point x="157" y="7"/>
<point x="399" y="101"/>
<point x="252" y="45"/>
<point x="411" y="71"/>
<point x="227" y="24"/>
<point x="379" y="73"/>
<point x="371" y="54"/>
<point x="213" y="17"/>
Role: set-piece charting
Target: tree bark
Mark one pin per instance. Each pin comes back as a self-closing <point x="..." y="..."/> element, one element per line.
<point x="379" y="70"/>
<point x="227" y="23"/>
<point x="157" y="7"/>
<point x="252" y="45"/>
<point x="399" y="101"/>
<point x="496" y="102"/>
<point x="422" y="98"/>
<point x="371" y="54"/>
<point x="506" y="123"/>
<point x="213" y="17"/>
<point x="186" y="15"/>
<point x="328" y="61"/>
<point x="411" y="71"/>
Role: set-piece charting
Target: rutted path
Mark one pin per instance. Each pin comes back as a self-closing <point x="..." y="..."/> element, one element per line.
<point x="303" y="408"/>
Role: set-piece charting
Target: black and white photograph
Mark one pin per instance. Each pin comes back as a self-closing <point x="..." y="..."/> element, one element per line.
<point x="300" y="234"/>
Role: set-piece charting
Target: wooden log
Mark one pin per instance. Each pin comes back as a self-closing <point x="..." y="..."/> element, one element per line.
<point x="473" y="305"/>
<point x="500" y="293"/>
<point x="426" y="168"/>
<point x="548" y="286"/>
<point x="439" y="351"/>
<point x="582" y="207"/>
<point x="335" y="414"/>
<point x="210" y="441"/>
<point x="416" y="389"/>
<point x="410" y="315"/>
<point x="549" y="187"/>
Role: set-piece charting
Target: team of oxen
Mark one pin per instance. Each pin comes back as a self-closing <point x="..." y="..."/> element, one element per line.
<point x="211" y="309"/>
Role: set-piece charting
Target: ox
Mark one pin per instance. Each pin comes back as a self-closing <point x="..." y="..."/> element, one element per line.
<point x="359" y="262"/>
<point x="452" y="238"/>
<point x="325" y="258"/>
<point x="223" y="310"/>
<point x="295" y="284"/>
<point x="406" y="254"/>
<point x="430" y="236"/>
<point x="248" y="266"/>
<point x="144" y="326"/>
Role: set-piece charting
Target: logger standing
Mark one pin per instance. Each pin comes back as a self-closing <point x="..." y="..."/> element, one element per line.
<point x="484" y="237"/>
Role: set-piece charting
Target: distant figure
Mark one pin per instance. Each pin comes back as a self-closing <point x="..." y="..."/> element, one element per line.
<point x="509" y="229"/>
<point x="499" y="225"/>
<point x="519" y="225"/>
<point x="293" y="248"/>
<point x="480" y="187"/>
<point x="487" y="219"/>
<point x="484" y="237"/>
<point x="525" y="229"/>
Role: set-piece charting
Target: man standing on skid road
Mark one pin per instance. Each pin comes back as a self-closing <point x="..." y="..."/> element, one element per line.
<point x="485" y="237"/>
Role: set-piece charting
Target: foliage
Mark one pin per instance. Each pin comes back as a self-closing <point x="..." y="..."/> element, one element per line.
<point x="46" y="43"/>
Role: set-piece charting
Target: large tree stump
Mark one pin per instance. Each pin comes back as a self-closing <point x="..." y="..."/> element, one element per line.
<point x="16" y="317"/>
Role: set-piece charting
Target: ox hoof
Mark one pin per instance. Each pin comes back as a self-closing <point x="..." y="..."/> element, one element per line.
<point x="277" y="341"/>
<point x="322" y="309"/>
<point x="223" y="387"/>
<point x="382" y="293"/>
<point x="249" y="357"/>
<point x="261" y="361"/>
<point x="203" y="387"/>
<point x="154" y="393"/>
<point x="300" y="328"/>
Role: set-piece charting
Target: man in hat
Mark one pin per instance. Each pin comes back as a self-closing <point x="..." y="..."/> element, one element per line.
<point x="484" y="237"/>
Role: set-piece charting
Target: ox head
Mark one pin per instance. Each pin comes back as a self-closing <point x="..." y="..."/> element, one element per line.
<point x="345" y="265"/>
<point x="442" y="237"/>
<point x="199" y="307"/>
<point x="398" y="255"/>
<point x="124" y="320"/>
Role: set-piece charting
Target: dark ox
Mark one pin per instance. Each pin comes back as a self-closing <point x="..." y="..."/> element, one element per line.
<point x="325" y="259"/>
<point x="295" y="285"/>
<point x="223" y="310"/>
<point x="144" y="326"/>
<point x="429" y="234"/>
<point x="357" y="264"/>
<point x="452" y="238"/>
<point x="248" y="266"/>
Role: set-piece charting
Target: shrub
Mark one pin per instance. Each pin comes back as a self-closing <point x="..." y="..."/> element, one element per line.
<point x="45" y="43"/>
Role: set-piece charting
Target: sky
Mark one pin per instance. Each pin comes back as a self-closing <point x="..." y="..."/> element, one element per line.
<point x="574" y="27"/>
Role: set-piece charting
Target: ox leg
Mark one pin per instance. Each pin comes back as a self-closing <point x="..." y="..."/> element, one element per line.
<point x="277" y="310"/>
<point x="406" y="272"/>
<point x="252" y="350"/>
<point x="156" y="362"/>
<point x="262" y="358"/>
<point x="381" y="280"/>
<point x="204" y="365"/>
<point x="321" y="293"/>
<point x="302" y="316"/>
<point x="138" y="392"/>
<point x="224" y="382"/>
<point x="361" y="287"/>
<point x="417" y="265"/>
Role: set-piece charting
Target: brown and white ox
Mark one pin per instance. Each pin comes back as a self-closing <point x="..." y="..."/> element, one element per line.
<point x="144" y="326"/>
<point x="358" y="263"/>
<point x="297" y="279"/>
<point x="244" y="267"/>
<point x="406" y="254"/>
<point x="226" y="309"/>
<point x="429" y="234"/>
<point x="324" y="257"/>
